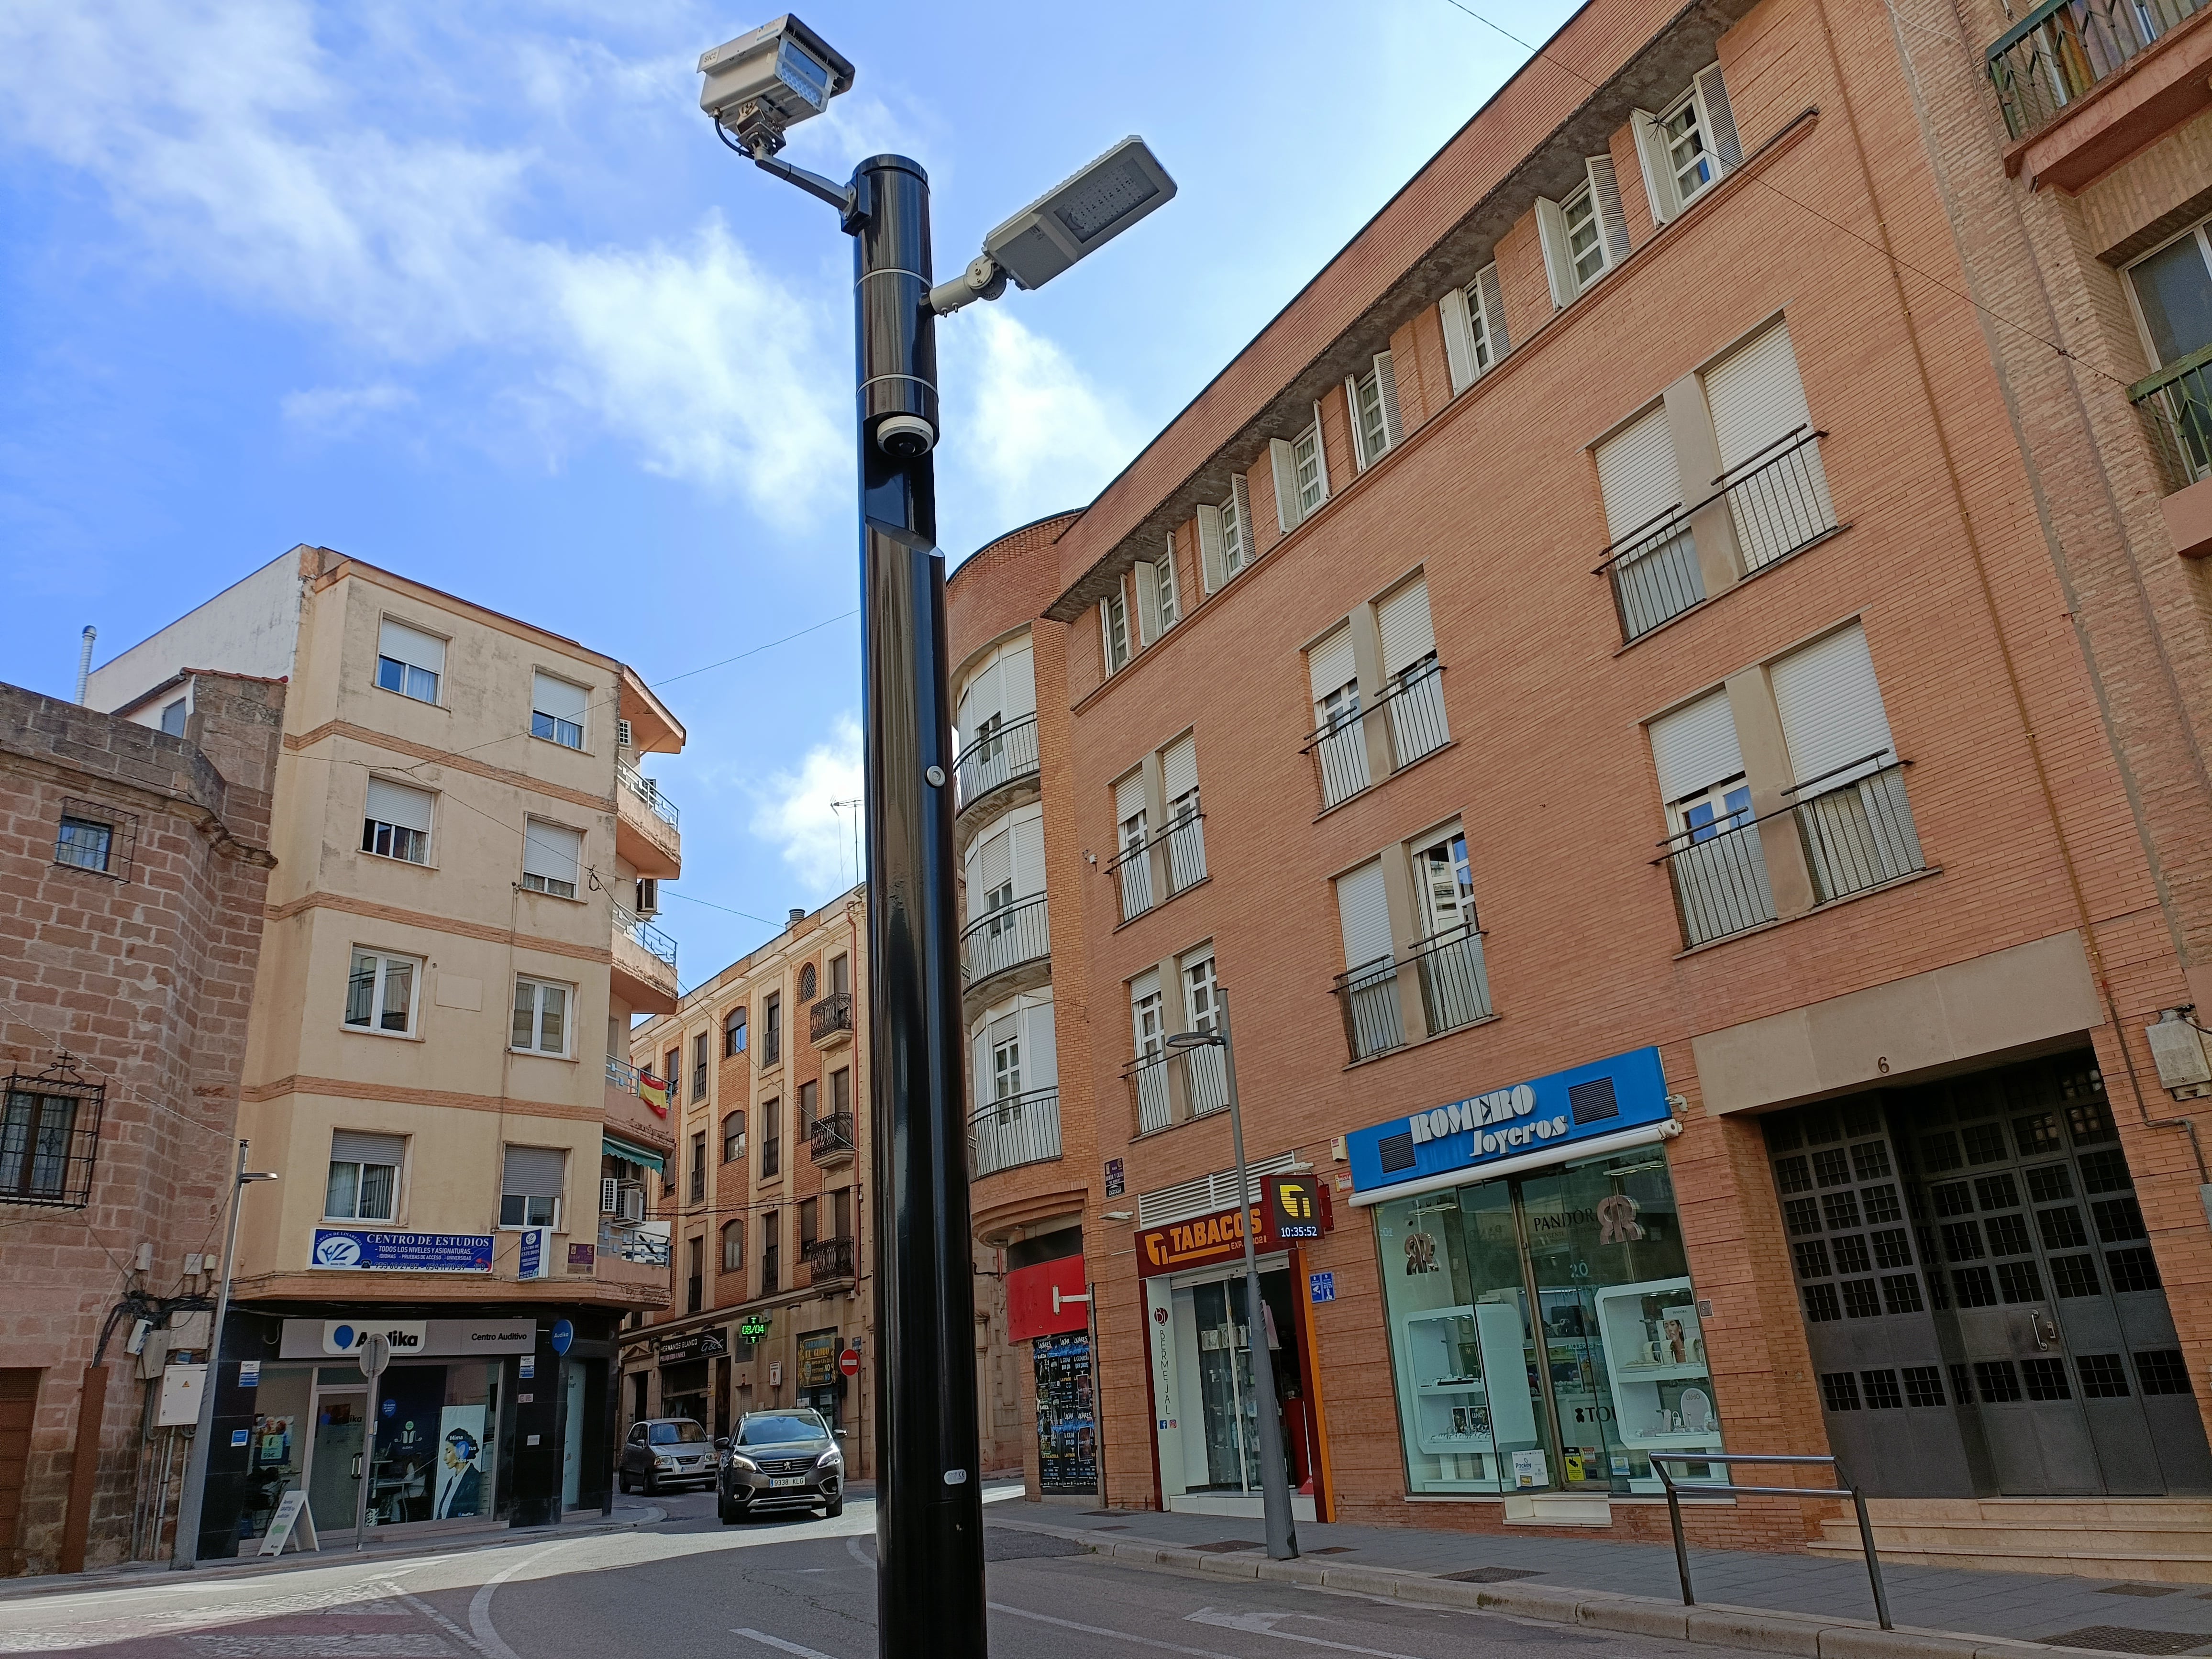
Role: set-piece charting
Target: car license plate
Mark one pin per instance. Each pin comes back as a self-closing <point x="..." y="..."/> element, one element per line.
<point x="788" y="1480"/>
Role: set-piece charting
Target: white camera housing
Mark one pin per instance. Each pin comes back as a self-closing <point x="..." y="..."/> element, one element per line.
<point x="761" y="83"/>
<point x="905" y="437"/>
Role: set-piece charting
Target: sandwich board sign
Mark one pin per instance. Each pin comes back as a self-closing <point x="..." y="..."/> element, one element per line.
<point x="292" y="1524"/>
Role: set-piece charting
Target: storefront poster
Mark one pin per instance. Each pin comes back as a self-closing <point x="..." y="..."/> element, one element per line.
<point x="401" y="1252"/>
<point x="460" y="1469"/>
<point x="1463" y="1138"/>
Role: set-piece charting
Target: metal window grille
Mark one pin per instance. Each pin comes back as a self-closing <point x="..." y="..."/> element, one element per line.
<point x="50" y="1136"/>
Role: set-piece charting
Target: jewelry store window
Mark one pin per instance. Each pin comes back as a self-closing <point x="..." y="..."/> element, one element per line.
<point x="1544" y="1333"/>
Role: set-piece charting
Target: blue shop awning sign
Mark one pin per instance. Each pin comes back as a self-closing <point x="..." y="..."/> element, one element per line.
<point x="1582" y="1103"/>
<point x="401" y="1252"/>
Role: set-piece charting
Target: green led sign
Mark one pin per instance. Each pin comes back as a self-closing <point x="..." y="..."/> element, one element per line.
<point x="752" y="1327"/>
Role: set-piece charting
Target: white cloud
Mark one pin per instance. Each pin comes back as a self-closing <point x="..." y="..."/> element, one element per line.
<point x="250" y="162"/>
<point x="335" y="411"/>
<point x="1035" y="433"/>
<point x="794" y="810"/>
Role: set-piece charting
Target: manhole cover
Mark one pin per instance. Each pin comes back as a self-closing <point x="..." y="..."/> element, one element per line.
<point x="2119" y="1638"/>
<point x="1227" y="1545"/>
<point x="2140" y="1589"/>
<point x="1490" y="1575"/>
<point x="1001" y="1544"/>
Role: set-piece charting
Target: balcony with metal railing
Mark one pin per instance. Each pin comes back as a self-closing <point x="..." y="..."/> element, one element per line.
<point x="1447" y="969"/>
<point x="1412" y="708"/>
<point x="994" y="757"/>
<point x="998" y="941"/>
<point x="1175" y="1086"/>
<point x="831" y="1261"/>
<point x="1181" y="861"/>
<point x="2176" y="406"/>
<point x="831" y="1020"/>
<point x="646" y="832"/>
<point x="1778" y="504"/>
<point x="1854" y="824"/>
<point x="2065" y="50"/>
<point x="644" y="965"/>
<point x="830" y="1138"/>
<point x="1367" y="997"/>
<point x="1019" y="1129"/>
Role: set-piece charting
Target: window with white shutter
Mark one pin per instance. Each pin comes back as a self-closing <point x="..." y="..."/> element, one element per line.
<point x="1363" y="910"/>
<point x="1415" y="686"/>
<point x="1148" y="1020"/>
<point x="409" y="661"/>
<point x="363" y="1183"/>
<point x="1372" y="399"/>
<point x="395" y="822"/>
<point x="1715" y="858"/>
<point x="1186" y="832"/>
<point x="1409" y="641"/>
<point x="556" y="710"/>
<point x="1611" y="221"/>
<point x="1113" y="629"/>
<point x="533" y="1180"/>
<point x="1756" y="395"/>
<point x="1832" y="718"/>
<point x="1474" y="328"/>
<point x="1584" y="234"/>
<point x="550" y="857"/>
<point x="1339" y="747"/>
<point x="1369" y="986"/>
<point x="1695" y="748"/>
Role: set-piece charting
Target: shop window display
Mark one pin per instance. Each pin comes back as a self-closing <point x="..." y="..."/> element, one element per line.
<point x="1611" y="1368"/>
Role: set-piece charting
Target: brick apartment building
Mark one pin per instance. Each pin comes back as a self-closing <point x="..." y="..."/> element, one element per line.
<point x="457" y="938"/>
<point x="766" y="1202"/>
<point x="133" y="867"/>
<point x="1669" y="686"/>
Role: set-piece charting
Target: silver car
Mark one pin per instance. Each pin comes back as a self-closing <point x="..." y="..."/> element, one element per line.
<point x="780" y="1460"/>
<point x="663" y="1452"/>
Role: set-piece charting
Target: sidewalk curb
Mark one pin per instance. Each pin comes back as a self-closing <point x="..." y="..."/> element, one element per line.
<point x="138" y="1575"/>
<point x="1758" y="1630"/>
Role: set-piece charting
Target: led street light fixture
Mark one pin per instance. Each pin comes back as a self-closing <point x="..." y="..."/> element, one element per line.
<point x="1082" y="215"/>
<point x="761" y="83"/>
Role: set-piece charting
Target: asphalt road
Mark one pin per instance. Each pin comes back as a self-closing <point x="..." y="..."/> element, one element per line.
<point x="692" y="1588"/>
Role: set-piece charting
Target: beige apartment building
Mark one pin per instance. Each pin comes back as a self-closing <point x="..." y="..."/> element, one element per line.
<point x="456" y="941"/>
<point x="766" y="1201"/>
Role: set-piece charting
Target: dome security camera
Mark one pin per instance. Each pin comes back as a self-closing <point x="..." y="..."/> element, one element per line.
<point x="905" y="437"/>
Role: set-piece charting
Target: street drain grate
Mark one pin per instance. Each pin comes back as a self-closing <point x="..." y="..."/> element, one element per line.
<point x="1333" y="1549"/>
<point x="1108" y="1512"/>
<point x="2120" y="1639"/>
<point x="1229" y="1544"/>
<point x="2140" y="1589"/>
<point x="1502" y="1575"/>
<point x="1109" y="1530"/>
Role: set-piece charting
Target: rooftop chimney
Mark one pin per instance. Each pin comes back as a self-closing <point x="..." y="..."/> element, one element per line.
<point x="84" y="662"/>
<point x="798" y="915"/>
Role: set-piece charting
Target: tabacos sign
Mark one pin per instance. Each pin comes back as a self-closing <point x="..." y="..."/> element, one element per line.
<point x="1582" y="1104"/>
<point x="1291" y="1207"/>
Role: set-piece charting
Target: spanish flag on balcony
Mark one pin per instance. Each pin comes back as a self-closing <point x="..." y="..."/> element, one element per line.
<point x="653" y="1091"/>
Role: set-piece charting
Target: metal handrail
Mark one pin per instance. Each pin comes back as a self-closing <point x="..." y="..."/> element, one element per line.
<point x="643" y="933"/>
<point x="1842" y="1489"/>
<point x="2082" y="43"/>
<point x="648" y="791"/>
<point x="830" y="1134"/>
<point x="1019" y="1129"/>
<point x="829" y="1258"/>
<point x="832" y="1014"/>
<point x="1012" y="746"/>
<point x="2173" y="371"/>
<point x="1686" y="837"/>
<point x="622" y="1075"/>
<point x="1189" y="824"/>
<point x="1025" y="926"/>
<point x="1398" y="687"/>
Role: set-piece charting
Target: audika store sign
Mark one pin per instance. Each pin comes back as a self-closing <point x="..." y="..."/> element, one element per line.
<point x="1585" y="1103"/>
<point x="402" y="1253"/>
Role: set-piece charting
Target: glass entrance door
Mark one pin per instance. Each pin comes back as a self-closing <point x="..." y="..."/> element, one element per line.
<point x="334" y="1457"/>
<point x="1225" y="1382"/>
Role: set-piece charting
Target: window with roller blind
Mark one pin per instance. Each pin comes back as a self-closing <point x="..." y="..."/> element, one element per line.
<point x="1714" y="856"/>
<point x="1777" y="489"/>
<point x="1338" y="746"/>
<point x="1005" y="897"/>
<point x="533" y="1181"/>
<point x="1848" y="784"/>
<point x="1411" y="680"/>
<point x="1000" y="694"/>
<point x="1652" y="562"/>
<point x="1473" y="319"/>
<point x="395" y="822"/>
<point x="409" y="660"/>
<point x="551" y="857"/>
<point x="1132" y="868"/>
<point x="1149" y="1030"/>
<point x="1186" y="827"/>
<point x="1368" y="988"/>
<point x="556" y="710"/>
<point x="363" y="1183"/>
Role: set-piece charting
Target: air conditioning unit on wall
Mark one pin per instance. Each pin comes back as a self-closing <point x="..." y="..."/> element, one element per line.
<point x="633" y="1204"/>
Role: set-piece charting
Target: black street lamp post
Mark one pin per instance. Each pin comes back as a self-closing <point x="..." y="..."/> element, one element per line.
<point x="929" y="1516"/>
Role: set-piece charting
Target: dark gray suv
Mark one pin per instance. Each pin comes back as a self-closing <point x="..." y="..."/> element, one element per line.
<point x="780" y="1460"/>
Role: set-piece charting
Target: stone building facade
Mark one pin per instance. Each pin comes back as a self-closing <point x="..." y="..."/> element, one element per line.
<point x="133" y="864"/>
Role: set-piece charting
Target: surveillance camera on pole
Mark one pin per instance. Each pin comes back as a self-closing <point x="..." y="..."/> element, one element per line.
<point x="930" y="1583"/>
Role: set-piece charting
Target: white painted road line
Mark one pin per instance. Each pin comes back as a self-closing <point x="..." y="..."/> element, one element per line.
<point x="1264" y="1624"/>
<point x="1112" y="1635"/>
<point x="487" y="1641"/>
<point x="780" y="1644"/>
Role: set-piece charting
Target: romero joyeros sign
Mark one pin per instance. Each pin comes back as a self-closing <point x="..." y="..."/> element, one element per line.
<point x="1293" y="1208"/>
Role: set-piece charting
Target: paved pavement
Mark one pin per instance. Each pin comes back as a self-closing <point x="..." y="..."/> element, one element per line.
<point x="2121" y="1616"/>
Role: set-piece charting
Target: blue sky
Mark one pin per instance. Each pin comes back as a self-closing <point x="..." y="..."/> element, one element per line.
<point x="472" y="293"/>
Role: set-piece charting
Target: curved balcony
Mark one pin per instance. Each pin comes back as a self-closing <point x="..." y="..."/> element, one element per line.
<point x="1001" y="940"/>
<point x="830" y="1138"/>
<point x="830" y="1262"/>
<point x="1017" y="1130"/>
<point x="996" y="758"/>
<point x="831" y="1020"/>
